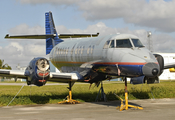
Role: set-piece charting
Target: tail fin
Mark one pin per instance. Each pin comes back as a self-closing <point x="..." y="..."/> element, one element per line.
<point x="50" y="29"/>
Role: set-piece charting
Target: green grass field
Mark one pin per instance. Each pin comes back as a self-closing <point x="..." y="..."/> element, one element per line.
<point x="56" y="93"/>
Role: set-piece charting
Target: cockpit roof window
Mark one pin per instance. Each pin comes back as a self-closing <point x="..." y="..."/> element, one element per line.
<point x="137" y="43"/>
<point x="123" y="43"/>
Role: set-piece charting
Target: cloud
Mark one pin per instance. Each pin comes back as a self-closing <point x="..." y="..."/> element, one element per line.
<point x="154" y="14"/>
<point x="23" y="51"/>
<point x="53" y="2"/>
<point x="16" y="45"/>
<point x="157" y="14"/>
<point x="25" y="29"/>
<point x="163" y="43"/>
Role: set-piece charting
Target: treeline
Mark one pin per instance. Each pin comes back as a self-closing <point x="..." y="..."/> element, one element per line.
<point x="4" y="65"/>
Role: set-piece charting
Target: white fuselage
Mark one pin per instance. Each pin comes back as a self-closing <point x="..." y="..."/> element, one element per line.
<point x="69" y="55"/>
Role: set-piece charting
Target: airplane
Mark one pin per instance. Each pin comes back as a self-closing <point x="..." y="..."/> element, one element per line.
<point x="90" y="58"/>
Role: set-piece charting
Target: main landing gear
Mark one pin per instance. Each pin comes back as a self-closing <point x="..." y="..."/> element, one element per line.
<point x="122" y="106"/>
<point x="69" y="99"/>
<point x="103" y="95"/>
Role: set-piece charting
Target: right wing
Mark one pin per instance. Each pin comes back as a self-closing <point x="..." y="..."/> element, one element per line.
<point x="54" y="76"/>
<point x="13" y="73"/>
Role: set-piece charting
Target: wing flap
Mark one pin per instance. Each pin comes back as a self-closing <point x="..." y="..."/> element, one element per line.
<point x="64" y="77"/>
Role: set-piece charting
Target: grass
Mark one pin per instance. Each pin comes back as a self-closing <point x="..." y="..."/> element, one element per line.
<point x="55" y="93"/>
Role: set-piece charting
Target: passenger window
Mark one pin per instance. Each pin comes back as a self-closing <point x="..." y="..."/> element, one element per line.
<point x="67" y="50"/>
<point x="57" y="49"/>
<point x="112" y="44"/>
<point x="88" y="49"/>
<point x="64" y="51"/>
<point x="106" y="44"/>
<point x="92" y="48"/>
<point x="82" y="48"/>
<point x="125" y="43"/>
<point x="76" y="50"/>
<point x="79" y="50"/>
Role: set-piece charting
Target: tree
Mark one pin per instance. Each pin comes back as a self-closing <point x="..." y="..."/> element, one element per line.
<point x="4" y="66"/>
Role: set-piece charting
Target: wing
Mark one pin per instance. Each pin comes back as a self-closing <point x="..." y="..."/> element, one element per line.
<point x="54" y="76"/>
<point x="169" y="65"/>
<point x="13" y="73"/>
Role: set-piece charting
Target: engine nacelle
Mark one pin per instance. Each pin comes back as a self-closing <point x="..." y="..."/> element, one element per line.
<point x="38" y="71"/>
<point x="143" y="79"/>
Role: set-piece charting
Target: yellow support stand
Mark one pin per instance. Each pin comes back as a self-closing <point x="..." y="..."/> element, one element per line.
<point x="126" y="106"/>
<point x="69" y="97"/>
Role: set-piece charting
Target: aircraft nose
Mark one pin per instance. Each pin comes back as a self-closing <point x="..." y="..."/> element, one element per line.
<point x="150" y="69"/>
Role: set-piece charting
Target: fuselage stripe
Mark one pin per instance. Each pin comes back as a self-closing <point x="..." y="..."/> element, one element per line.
<point x="102" y="63"/>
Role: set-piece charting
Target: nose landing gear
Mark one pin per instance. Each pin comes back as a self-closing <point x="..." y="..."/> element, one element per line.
<point x="126" y="106"/>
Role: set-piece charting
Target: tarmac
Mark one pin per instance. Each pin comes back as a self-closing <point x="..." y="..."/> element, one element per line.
<point x="153" y="109"/>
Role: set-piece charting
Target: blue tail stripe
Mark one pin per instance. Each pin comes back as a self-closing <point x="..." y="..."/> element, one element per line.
<point x="50" y="29"/>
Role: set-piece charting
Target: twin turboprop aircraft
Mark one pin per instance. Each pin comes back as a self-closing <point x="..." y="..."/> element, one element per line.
<point x="91" y="59"/>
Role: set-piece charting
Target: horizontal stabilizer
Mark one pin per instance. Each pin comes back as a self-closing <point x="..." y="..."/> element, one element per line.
<point x="77" y="35"/>
<point x="50" y="36"/>
<point x="30" y="36"/>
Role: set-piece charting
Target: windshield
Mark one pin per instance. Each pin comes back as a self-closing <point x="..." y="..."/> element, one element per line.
<point x="124" y="43"/>
<point x="137" y="43"/>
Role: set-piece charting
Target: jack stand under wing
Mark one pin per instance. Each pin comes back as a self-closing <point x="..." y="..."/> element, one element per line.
<point x="126" y="106"/>
<point x="69" y="97"/>
<point x="103" y="95"/>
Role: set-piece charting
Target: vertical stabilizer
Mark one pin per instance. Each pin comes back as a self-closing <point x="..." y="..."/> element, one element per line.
<point x="50" y="29"/>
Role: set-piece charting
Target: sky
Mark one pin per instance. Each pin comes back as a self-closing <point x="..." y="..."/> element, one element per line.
<point x="20" y="17"/>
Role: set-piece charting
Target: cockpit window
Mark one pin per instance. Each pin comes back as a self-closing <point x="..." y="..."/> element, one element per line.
<point x="124" y="43"/>
<point x="112" y="44"/>
<point x="106" y="44"/>
<point x="137" y="43"/>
